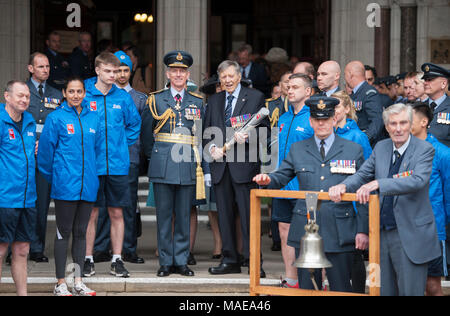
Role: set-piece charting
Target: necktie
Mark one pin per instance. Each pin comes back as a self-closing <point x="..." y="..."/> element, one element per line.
<point x="229" y="111"/>
<point x="322" y="149"/>
<point x="41" y="90"/>
<point x="178" y="99"/>
<point x="433" y="106"/>
<point x="397" y="156"/>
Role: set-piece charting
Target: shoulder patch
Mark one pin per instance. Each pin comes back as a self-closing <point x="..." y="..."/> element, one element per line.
<point x="371" y="91"/>
<point x="196" y="95"/>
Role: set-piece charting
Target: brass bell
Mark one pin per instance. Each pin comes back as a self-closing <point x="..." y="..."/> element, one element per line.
<point x="312" y="254"/>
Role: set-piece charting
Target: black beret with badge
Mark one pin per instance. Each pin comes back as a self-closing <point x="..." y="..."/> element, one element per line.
<point x="322" y="107"/>
<point x="178" y="59"/>
<point x="432" y="71"/>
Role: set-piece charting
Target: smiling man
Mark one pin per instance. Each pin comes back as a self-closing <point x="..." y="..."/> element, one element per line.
<point x="399" y="170"/>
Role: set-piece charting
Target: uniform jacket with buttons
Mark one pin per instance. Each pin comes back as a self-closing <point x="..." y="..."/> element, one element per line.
<point x="339" y="223"/>
<point x="171" y="163"/>
<point x="440" y="130"/>
<point x="39" y="107"/>
<point x="17" y="162"/>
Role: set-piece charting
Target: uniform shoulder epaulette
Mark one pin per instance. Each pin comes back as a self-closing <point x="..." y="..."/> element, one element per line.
<point x="157" y="92"/>
<point x="270" y="100"/>
<point x="196" y="95"/>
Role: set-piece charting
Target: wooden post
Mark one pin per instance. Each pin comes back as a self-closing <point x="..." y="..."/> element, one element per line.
<point x="255" y="243"/>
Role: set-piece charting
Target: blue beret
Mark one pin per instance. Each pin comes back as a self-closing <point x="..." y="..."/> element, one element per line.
<point x="124" y="59"/>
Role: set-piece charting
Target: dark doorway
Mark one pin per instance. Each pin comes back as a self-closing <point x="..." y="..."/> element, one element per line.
<point x="301" y="27"/>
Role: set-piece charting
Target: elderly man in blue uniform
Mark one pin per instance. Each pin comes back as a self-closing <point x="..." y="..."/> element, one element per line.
<point x="17" y="181"/>
<point x="44" y="100"/>
<point x="319" y="163"/>
<point x="367" y="101"/>
<point x="103" y="240"/>
<point x="436" y="82"/>
<point x="170" y="130"/>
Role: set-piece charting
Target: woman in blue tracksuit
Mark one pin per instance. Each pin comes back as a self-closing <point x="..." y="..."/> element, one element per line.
<point x="67" y="158"/>
<point x="439" y="192"/>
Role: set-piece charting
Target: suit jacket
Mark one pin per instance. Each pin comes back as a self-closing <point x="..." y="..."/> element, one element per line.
<point x="250" y="102"/>
<point x="81" y="65"/>
<point x="339" y="223"/>
<point x="412" y="208"/>
<point x="59" y="70"/>
<point x="370" y="112"/>
<point x="259" y="78"/>
<point x="439" y="130"/>
<point x="163" y="169"/>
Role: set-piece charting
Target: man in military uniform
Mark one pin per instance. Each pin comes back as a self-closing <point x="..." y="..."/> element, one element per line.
<point x="80" y="62"/>
<point x="169" y="136"/>
<point x="279" y="106"/>
<point x="59" y="67"/>
<point x="367" y="101"/>
<point x="436" y="82"/>
<point x="43" y="100"/>
<point x="319" y="163"/>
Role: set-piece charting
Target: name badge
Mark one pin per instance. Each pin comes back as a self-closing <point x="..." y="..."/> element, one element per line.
<point x="192" y="114"/>
<point x="404" y="175"/>
<point x="343" y="166"/>
<point x="70" y="129"/>
<point x="443" y="118"/>
<point x="239" y="121"/>
<point x="12" y="136"/>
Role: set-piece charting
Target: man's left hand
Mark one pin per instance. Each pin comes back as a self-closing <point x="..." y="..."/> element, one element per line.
<point x="363" y="194"/>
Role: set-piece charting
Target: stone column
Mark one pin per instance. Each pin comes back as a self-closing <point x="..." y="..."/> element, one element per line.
<point x="408" y="46"/>
<point x="182" y="25"/>
<point x="15" y="38"/>
<point x="383" y="42"/>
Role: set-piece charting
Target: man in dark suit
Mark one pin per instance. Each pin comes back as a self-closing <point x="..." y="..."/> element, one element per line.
<point x="367" y="101"/>
<point x="231" y="174"/>
<point x="59" y="67"/>
<point x="399" y="170"/>
<point x="436" y="82"/>
<point x="80" y="62"/>
<point x="43" y="100"/>
<point x="319" y="163"/>
<point x="328" y="77"/>
<point x="253" y="71"/>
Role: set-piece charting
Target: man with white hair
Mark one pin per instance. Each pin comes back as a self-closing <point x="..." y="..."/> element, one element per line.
<point x="399" y="170"/>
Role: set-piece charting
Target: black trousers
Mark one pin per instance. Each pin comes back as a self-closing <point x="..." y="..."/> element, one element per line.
<point x="228" y="195"/>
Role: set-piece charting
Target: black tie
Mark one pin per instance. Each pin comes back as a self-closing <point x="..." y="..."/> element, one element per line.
<point x="41" y="90"/>
<point x="322" y="149"/>
<point x="433" y="106"/>
<point x="229" y="111"/>
<point x="178" y="99"/>
<point x="397" y="156"/>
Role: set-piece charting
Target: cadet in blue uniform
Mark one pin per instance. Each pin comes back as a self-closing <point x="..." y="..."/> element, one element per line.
<point x="43" y="101"/>
<point x="319" y="163"/>
<point x="436" y="82"/>
<point x="169" y="127"/>
<point x="17" y="180"/>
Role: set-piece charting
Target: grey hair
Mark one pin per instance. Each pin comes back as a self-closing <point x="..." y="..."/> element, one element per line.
<point x="227" y="64"/>
<point x="397" y="109"/>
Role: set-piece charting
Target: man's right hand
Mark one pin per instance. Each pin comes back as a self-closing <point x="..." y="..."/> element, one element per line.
<point x="217" y="153"/>
<point x="336" y="192"/>
<point x="262" y="180"/>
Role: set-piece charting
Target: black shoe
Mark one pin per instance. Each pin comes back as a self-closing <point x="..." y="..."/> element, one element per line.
<point x="185" y="271"/>
<point x="225" y="268"/>
<point x="217" y="257"/>
<point x="38" y="258"/>
<point x="276" y="246"/>
<point x="133" y="258"/>
<point x="118" y="269"/>
<point x="191" y="260"/>
<point x="88" y="269"/>
<point x="101" y="256"/>
<point x="245" y="263"/>
<point x="164" y="271"/>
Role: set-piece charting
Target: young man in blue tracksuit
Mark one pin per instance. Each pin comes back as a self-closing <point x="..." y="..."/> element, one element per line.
<point x="294" y="126"/>
<point x="67" y="159"/>
<point x="120" y="125"/>
<point x="17" y="180"/>
<point x="439" y="193"/>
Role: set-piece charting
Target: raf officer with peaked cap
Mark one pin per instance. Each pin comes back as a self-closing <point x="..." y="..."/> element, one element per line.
<point x="320" y="163"/>
<point x="169" y="129"/>
<point x="436" y="82"/>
